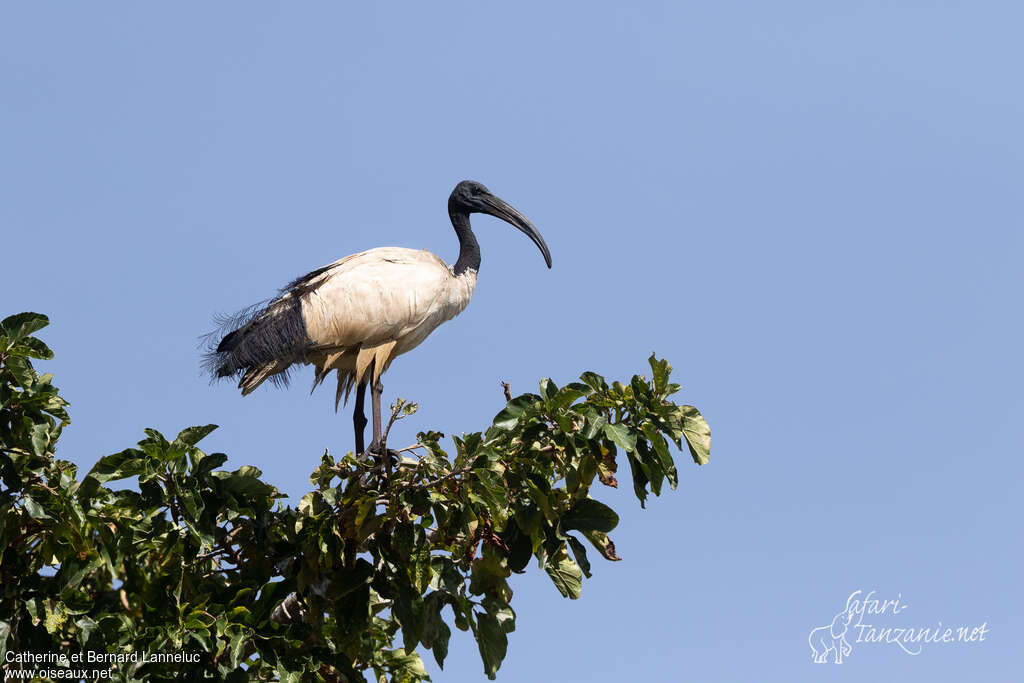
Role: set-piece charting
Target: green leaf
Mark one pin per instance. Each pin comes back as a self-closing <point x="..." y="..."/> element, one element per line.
<point x="209" y="463"/>
<point x="193" y="435"/>
<point x="661" y="449"/>
<point x="34" y="509"/>
<point x="406" y="666"/>
<point x="40" y="438"/>
<point x="548" y="389"/>
<point x="623" y="437"/>
<point x="492" y="642"/>
<point x="55" y="617"/>
<point x="86" y="626"/>
<point x="565" y="574"/>
<point x="590" y="515"/>
<point x="205" y="538"/>
<point x="249" y="471"/>
<point x="199" y="619"/>
<point x="128" y="463"/>
<point x="243" y="485"/>
<point x="660" y="370"/>
<point x="419" y="566"/>
<point x="541" y="497"/>
<point x="18" y="326"/>
<point x="651" y="466"/>
<point x="508" y="418"/>
<point x="191" y="501"/>
<point x="351" y="579"/>
<point x="237" y="647"/>
<point x="572" y="480"/>
<point x="579" y="552"/>
<point x="440" y="643"/>
<point x="603" y="544"/>
<point x="519" y="547"/>
<point x="22" y="371"/>
<point x="595" y="421"/>
<point x="641" y="390"/>
<point x="408" y="609"/>
<point x="156" y="446"/>
<point x="471" y="444"/>
<point x="402" y="539"/>
<point x="34" y="348"/>
<point x="501" y="611"/>
<point x="34" y="608"/>
<point x="489" y="572"/>
<point x="240" y="615"/>
<point x="640" y="480"/>
<point x="436" y="633"/>
<point x="697" y="434"/>
<point x="570" y="393"/>
<point x="594" y="381"/>
<point x="202" y="636"/>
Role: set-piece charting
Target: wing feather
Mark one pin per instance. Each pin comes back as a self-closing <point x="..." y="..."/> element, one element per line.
<point x="355" y="313"/>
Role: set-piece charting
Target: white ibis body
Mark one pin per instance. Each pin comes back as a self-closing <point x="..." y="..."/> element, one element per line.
<point x="356" y="315"/>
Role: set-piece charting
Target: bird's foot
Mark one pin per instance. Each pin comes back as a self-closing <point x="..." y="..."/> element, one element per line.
<point x="387" y="462"/>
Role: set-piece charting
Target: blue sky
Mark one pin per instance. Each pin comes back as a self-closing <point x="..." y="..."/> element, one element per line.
<point x="813" y="210"/>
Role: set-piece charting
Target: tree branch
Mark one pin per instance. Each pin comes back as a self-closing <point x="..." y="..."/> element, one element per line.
<point x="434" y="482"/>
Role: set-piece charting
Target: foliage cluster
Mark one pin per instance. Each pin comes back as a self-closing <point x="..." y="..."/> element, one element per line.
<point x="373" y="565"/>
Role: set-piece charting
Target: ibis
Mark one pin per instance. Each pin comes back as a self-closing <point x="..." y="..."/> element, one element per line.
<point x="356" y="315"/>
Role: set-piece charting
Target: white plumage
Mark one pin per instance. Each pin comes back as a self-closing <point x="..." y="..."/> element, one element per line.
<point x="372" y="307"/>
<point x="356" y="315"/>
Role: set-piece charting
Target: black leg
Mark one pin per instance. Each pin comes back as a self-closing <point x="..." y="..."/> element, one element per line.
<point x="378" y="433"/>
<point x="378" y="446"/>
<point x="359" y="417"/>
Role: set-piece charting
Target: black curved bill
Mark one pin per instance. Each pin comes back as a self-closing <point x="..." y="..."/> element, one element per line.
<point x="501" y="209"/>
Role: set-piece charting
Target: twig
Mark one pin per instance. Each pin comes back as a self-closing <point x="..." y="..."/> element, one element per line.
<point x="173" y="502"/>
<point x="224" y="547"/>
<point x="35" y="479"/>
<point x="396" y="408"/>
<point x="400" y="410"/>
<point x="508" y="391"/>
<point x="214" y="553"/>
<point x="434" y="482"/>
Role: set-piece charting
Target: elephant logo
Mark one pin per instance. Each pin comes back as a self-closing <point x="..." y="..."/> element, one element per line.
<point x="832" y="638"/>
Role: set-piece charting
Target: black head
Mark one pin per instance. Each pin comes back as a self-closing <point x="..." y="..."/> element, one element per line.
<point x="470" y="196"/>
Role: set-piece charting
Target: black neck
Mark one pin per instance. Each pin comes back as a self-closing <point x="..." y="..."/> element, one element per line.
<point x="469" y="250"/>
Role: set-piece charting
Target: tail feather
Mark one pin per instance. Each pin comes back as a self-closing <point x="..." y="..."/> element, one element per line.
<point x="260" y="342"/>
<point x="254" y="377"/>
<point x="228" y="342"/>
